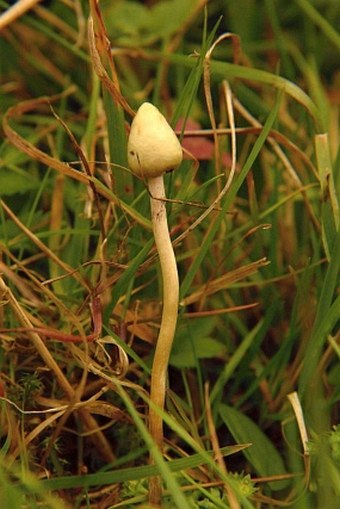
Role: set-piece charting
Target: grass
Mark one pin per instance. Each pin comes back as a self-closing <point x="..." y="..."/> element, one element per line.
<point x="252" y="410"/>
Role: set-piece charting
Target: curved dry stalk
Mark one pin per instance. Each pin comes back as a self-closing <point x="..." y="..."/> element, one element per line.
<point x="235" y="39"/>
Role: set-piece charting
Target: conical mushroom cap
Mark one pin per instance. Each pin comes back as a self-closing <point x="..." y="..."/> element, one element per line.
<point x="153" y="147"/>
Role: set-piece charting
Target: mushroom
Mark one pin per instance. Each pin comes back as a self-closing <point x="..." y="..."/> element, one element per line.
<point x="153" y="149"/>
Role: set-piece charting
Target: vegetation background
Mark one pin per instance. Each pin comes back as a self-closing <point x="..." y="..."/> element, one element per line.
<point x="252" y="88"/>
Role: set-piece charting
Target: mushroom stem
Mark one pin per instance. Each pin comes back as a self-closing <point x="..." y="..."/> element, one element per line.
<point x="168" y="322"/>
<point x="153" y="149"/>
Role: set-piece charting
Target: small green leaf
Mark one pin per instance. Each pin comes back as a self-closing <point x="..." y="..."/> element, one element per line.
<point x="125" y="22"/>
<point x="134" y="24"/>
<point x="167" y="17"/>
<point x="193" y="342"/>
<point x="16" y="181"/>
<point x="184" y="357"/>
<point x="262" y="454"/>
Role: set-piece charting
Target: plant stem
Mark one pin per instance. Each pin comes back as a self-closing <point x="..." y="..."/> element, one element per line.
<point x="168" y="323"/>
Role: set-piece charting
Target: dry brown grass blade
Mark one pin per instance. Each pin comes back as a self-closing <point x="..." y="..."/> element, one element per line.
<point x="40" y="346"/>
<point x="274" y="135"/>
<point x="22" y="35"/>
<point x="135" y="324"/>
<point x="90" y="423"/>
<point x="110" y="377"/>
<point x="223" y="282"/>
<point x="43" y="425"/>
<point x="290" y="170"/>
<point x="231" y="497"/>
<point x="101" y="57"/>
<point x="87" y="171"/>
<point x="38" y="294"/>
<point x="74" y="395"/>
<point x="221" y="311"/>
<point x="35" y="153"/>
<point x="61" y="409"/>
<point x="61" y="26"/>
<point x="27" y="147"/>
<point x="230" y="177"/>
<point x="50" y="254"/>
<point x="16" y="11"/>
<point x="55" y="242"/>
<point x="20" y="283"/>
<point x="207" y="90"/>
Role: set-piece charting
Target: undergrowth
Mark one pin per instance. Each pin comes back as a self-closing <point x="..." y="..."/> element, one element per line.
<point x="252" y="410"/>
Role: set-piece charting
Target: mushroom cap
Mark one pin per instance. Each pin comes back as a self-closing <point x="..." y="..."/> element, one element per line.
<point x="153" y="147"/>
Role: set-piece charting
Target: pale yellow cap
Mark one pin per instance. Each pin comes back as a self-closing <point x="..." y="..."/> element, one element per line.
<point x="153" y="147"/>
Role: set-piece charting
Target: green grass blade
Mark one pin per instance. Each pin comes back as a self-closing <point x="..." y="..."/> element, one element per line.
<point x="132" y="473"/>
<point x="189" y="92"/>
<point x="226" y="70"/>
<point x="127" y="208"/>
<point x="331" y="33"/>
<point x="208" y="459"/>
<point x="262" y="454"/>
<point x="170" y="480"/>
<point x="117" y="146"/>
<point x="230" y="197"/>
<point x="234" y="361"/>
<point x="330" y="206"/>
<point x="326" y="318"/>
<point x="124" y="281"/>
